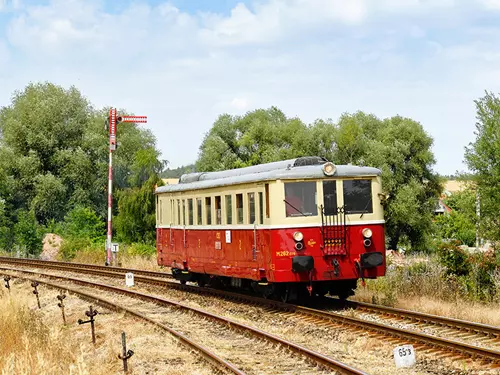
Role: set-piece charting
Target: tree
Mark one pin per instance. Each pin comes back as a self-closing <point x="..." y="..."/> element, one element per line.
<point x="261" y="136"/>
<point x="136" y="221"/>
<point x="54" y="154"/>
<point x="27" y="233"/>
<point x="83" y="222"/>
<point x="483" y="159"/>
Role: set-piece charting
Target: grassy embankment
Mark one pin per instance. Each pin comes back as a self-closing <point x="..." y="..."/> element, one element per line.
<point x="424" y="284"/>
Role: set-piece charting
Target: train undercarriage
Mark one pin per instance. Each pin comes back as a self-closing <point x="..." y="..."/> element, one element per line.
<point x="284" y="292"/>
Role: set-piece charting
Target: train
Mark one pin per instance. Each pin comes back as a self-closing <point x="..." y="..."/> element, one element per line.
<point x="286" y="230"/>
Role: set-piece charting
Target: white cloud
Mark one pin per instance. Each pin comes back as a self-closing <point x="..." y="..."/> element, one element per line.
<point x="491" y="4"/>
<point x="239" y="104"/>
<point x="311" y="58"/>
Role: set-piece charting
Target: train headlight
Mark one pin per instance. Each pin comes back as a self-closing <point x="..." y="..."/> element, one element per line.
<point x="367" y="233"/>
<point x="298" y="236"/>
<point x="329" y="168"/>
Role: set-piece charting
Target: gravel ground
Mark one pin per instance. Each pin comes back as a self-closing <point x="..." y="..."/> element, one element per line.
<point x="369" y="353"/>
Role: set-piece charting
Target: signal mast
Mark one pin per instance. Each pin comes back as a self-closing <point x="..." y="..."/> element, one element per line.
<point x="114" y="120"/>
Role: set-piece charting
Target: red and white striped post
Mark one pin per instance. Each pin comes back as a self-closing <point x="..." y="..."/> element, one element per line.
<point x="114" y="120"/>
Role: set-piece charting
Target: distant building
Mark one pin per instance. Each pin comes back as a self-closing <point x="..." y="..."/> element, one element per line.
<point x="449" y="187"/>
<point x="170" y="181"/>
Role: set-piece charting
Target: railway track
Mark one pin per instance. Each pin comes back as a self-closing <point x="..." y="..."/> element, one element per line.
<point x="222" y="333"/>
<point x="432" y="343"/>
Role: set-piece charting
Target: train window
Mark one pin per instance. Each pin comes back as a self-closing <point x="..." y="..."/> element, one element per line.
<point x="218" y="211"/>
<point x="183" y="212"/>
<point x="157" y="212"/>
<point x="251" y="208"/>
<point x="358" y="196"/>
<point x="191" y="213"/>
<point x="330" y="197"/>
<point x="161" y="209"/>
<point x="229" y="210"/>
<point x="239" y="208"/>
<point x="261" y="208"/>
<point x="199" y="216"/>
<point x="300" y="199"/>
<point x="172" y="211"/>
<point x="178" y="212"/>
<point x="208" y="209"/>
<point x="267" y="201"/>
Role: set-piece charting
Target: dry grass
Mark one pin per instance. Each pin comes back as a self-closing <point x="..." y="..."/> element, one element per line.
<point x="28" y="346"/>
<point x="419" y="284"/>
<point x="34" y="342"/>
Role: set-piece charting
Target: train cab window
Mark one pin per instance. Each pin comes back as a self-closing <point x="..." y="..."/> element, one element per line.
<point x="261" y="208"/>
<point x="218" y="211"/>
<point x="330" y="197"/>
<point x="358" y="196"/>
<point x="208" y="209"/>
<point x="191" y="213"/>
<point x="229" y="210"/>
<point x="300" y="199"/>
<point x="239" y="208"/>
<point x="199" y="215"/>
<point x="183" y="212"/>
<point x="178" y="212"/>
<point x="251" y="208"/>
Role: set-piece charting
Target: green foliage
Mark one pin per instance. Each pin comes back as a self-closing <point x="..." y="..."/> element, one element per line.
<point x="482" y="157"/>
<point x="454" y="259"/>
<point x="177" y="172"/>
<point x="136" y="221"/>
<point x="27" y="233"/>
<point x="398" y="146"/>
<point x="5" y="231"/>
<point x="83" y="222"/>
<point x="140" y="249"/>
<point x="54" y="157"/>
<point x="456" y="225"/>
<point x="74" y="245"/>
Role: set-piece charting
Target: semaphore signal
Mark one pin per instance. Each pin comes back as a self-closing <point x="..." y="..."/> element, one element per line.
<point x="114" y="120"/>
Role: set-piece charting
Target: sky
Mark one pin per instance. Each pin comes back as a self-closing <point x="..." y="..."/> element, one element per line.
<point x="184" y="62"/>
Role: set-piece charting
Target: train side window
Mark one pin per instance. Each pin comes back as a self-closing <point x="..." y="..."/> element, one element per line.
<point x="229" y="209"/>
<point x="267" y="200"/>
<point x="157" y="205"/>
<point x="300" y="199"/>
<point x="208" y="209"/>
<point x="261" y="208"/>
<point x="172" y="211"/>
<point x="239" y="208"/>
<point x="218" y="211"/>
<point x="179" y="220"/>
<point x="358" y="196"/>
<point x="199" y="216"/>
<point x="330" y="197"/>
<point x="183" y="212"/>
<point x="251" y="208"/>
<point x="191" y="213"/>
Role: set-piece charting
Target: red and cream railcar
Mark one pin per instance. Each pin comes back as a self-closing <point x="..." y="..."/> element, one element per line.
<point x="284" y="228"/>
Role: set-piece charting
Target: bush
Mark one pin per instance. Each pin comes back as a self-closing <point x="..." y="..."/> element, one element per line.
<point x="71" y="246"/>
<point x="140" y="249"/>
<point x="83" y="222"/>
<point x="27" y="233"/>
<point x="454" y="258"/>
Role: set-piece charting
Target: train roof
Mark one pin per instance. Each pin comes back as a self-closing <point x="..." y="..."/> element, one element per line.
<point x="304" y="167"/>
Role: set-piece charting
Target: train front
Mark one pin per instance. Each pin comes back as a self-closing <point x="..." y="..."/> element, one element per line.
<point x="331" y="231"/>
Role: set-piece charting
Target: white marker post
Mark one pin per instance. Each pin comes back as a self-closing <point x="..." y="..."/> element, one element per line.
<point x="404" y="356"/>
<point x="129" y="279"/>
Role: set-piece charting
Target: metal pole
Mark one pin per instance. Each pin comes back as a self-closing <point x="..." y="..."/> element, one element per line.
<point x="112" y="146"/>
<point x="110" y="205"/>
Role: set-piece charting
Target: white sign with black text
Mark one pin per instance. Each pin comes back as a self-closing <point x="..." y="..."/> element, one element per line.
<point x="404" y="356"/>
